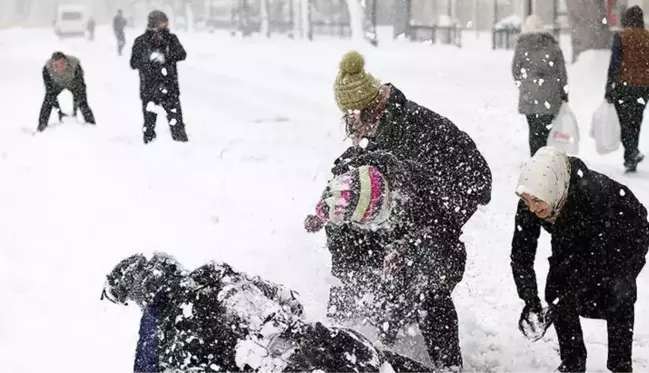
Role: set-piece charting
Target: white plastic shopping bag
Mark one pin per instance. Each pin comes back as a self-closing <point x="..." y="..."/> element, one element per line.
<point x="605" y="128"/>
<point x="564" y="133"/>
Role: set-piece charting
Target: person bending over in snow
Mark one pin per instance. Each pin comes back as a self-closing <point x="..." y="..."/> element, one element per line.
<point x="59" y="73"/>
<point x="600" y="237"/>
<point x="217" y="319"/>
<point x="449" y="167"/>
<point x="155" y="54"/>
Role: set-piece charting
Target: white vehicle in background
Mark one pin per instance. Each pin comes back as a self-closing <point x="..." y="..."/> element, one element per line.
<point x="71" y="20"/>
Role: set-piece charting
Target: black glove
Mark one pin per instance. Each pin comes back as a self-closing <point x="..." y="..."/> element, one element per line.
<point x="341" y="164"/>
<point x="61" y="115"/>
<point x="564" y="97"/>
<point x="608" y="96"/>
<point x="532" y="322"/>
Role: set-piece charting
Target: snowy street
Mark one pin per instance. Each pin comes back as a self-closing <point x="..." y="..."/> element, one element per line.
<point x="263" y="132"/>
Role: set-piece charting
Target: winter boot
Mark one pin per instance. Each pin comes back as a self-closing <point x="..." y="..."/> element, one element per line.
<point x="572" y="366"/>
<point x="178" y="134"/>
<point x="631" y="165"/>
<point x="149" y="136"/>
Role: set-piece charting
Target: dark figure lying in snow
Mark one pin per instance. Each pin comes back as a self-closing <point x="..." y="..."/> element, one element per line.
<point x="217" y="319"/>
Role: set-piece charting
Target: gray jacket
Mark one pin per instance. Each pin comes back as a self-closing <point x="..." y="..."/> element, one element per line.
<point x="539" y="70"/>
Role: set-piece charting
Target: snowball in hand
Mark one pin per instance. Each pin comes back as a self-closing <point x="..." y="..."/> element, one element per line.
<point x="157" y="57"/>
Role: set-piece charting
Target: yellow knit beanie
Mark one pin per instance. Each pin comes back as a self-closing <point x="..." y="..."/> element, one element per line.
<point x="355" y="89"/>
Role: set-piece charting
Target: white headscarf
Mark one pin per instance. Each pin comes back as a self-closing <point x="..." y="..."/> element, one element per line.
<point x="533" y="23"/>
<point x="546" y="176"/>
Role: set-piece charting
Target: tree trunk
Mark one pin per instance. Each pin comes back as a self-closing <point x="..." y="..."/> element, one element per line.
<point x="356" y="19"/>
<point x="590" y="30"/>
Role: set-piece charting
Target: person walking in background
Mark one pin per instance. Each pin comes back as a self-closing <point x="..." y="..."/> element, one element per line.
<point x="91" y="28"/>
<point x="155" y="54"/>
<point x="59" y="73"/>
<point x="628" y="82"/>
<point x="119" y="23"/>
<point x="539" y="70"/>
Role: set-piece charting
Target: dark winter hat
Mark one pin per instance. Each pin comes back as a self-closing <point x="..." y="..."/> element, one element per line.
<point x="142" y="281"/>
<point x="355" y="89"/>
<point x="360" y="196"/>
<point x="633" y="17"/>
<point x="58" y="56"/>
<point x="121" y="279"/>
<point x="156" y="17"/>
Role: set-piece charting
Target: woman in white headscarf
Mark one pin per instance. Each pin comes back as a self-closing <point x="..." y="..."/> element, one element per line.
<point x="600" y="237"/>
<point x="539" y="71"/>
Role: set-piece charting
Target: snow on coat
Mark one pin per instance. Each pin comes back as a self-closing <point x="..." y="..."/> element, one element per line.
<point x="601" y="233"/>
<point x="539" y="70"/>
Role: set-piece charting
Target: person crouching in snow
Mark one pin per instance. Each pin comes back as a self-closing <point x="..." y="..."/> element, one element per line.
<point x="539" y="70"/>
<point x="63" y="72"/>
<point x="217" y="319"/>
<point x="600" y="237"/>
<point x="421" y="257"/>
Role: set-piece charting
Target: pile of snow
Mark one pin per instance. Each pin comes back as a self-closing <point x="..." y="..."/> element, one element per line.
<point x="510" y="22"/>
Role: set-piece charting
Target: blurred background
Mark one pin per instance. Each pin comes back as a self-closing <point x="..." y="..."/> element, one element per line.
<point x="587" y="22"/>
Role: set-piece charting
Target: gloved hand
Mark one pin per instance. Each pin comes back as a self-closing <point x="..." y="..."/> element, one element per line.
<point x="313" y="223"/>
<point x="564" y="97"/>
<point x="532" y="322"/>
<point x="342" y="163"/>
<point x="157" y="57"/>
<point x="61" y="114"/>
<point x="608" y="96"/>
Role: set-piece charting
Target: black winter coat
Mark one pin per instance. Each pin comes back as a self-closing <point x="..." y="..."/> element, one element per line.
<point x="158" y="81"/>
<point x="540" y="71"/>
<point x="601" y="234"/>
<point x="450" y="178"/>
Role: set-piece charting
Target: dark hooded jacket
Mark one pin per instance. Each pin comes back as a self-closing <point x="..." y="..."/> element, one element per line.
<point x="601" y="235"/>
<point x="158" y="81"/>
<point x="539" y="69"/>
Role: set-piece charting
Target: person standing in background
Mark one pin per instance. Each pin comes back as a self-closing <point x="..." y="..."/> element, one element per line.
<point x="628" y="82"/>
<point x="539" y="70"/>
<point x="155" y="54"/>
<point x="91" y="28"/>
<point x="119" y="23"/>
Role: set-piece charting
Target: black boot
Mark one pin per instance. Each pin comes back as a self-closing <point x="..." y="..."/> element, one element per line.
<point x="178" y="134"/>
<point x="631" y="165"/>
<point x="149" y="136"/>
<point x="572" y="366"/>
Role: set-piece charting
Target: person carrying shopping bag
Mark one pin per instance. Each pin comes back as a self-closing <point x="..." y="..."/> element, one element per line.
<point x="628" y="82"/>
<point x="539" y="70"/>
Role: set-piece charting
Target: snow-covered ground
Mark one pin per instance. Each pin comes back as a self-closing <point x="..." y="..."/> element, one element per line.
<point x="263" y="130"/>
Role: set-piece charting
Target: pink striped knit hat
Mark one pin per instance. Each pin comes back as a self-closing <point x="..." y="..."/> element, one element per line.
<point x="360" y="196"/>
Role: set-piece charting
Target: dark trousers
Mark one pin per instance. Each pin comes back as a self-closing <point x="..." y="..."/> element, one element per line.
<point x="539" y="126"/>
<point x="174" y="117"/>
<point x="630" y="103"/>
<point x="50" y="101"/>
<point x="440" y="330"/>
<point x="619" y="312"/>
<point x="121" y="42"/>
<point x="319" y="347"/>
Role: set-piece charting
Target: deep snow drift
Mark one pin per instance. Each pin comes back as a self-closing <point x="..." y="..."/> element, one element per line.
<point x="263" y="130"/>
